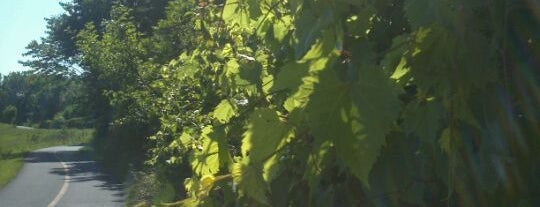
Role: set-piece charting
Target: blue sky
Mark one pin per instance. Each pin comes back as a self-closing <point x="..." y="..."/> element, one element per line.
<point x="22" y="21"/>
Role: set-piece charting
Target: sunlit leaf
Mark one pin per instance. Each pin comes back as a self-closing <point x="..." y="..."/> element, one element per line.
<point x="224" y="111"/>
<point x="355" y="115"/>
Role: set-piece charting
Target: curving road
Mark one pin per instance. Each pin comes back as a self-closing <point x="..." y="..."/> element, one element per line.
<point x="61" y="177"/>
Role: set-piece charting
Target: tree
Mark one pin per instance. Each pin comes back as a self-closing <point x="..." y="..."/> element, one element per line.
<point x="114" y="79"/>
<point x="9" y="114"/>
<point x="57" y="52"/>
<point x="40" y="97"/>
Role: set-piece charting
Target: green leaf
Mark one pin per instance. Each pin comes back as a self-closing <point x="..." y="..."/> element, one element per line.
<point x="242" y="76"/>
<point x="227" y="51"/>
<point x="224" y="111"/>
<point x="232" y="68"/>
<point x="316" y="162"/>
<point x="236" y="12"/>
<point x="281" y="28"/>
<point x="263" y="26"/>
<point x="293" y="77"/>
<point x="206" y="157"/>
<point x="401" y="71"/>
<point x="299" y="99"/>
<point x="251" y="72"/>
<point x="264" y="135"/>
<point x="271" y="168"/>
<point x="423" y="118"/>
<point x="254" y="7"/>
<point x="321" y="47"/>
<point x="250" y="182"/>
<point x="186" y="138"/>
<point x="309" y="26"/>
<point x="361" y="22"/>
<point x="355" y="115"/>
<point x="422" y="13"/>
<point x="290" y="76"/>
<point x="446" y="63"/>
<point x="394" y="62"/>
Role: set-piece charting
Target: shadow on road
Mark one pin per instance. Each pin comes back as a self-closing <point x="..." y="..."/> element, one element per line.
<point x="82" y="170"/>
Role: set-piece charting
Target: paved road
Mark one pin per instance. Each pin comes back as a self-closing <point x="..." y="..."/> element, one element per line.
<point x="61" y="177"/>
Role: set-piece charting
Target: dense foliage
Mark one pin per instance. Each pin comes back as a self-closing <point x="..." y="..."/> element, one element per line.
<point x="318" y="102"/>
<point x="49" y="101"/>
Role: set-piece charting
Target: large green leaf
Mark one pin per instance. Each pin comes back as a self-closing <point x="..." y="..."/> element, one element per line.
<point x="423" y="119"/>
<point x="312" y="20"/>
<point x="206" y="157"/>
<point x="290" y="76"/>
<point x="301" y="76"/>
<point x="250" y="182"/>
<point x="450" y="64"/>
<point x="264" y="134"/>
<point x="355" y="115"/>
<point x="281" y="28"/>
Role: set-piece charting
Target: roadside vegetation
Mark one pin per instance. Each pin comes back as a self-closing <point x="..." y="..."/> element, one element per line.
<point x="15" y="143"/>
<point x="302" y="102"/>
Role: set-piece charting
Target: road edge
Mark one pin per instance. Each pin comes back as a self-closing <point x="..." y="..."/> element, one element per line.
<point x="65" y="186"/>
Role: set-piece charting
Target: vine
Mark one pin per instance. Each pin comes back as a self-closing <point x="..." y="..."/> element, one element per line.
<point x="340" y="103"/>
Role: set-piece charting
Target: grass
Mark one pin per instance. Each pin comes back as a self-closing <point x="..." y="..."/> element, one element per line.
<point x="16" y="143"/>
<point x="9" y="169"/>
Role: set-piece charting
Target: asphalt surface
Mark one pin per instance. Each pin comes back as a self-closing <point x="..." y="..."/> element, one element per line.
<point x="61" y="177"/>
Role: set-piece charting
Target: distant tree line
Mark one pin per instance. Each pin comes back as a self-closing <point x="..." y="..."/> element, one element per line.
<point x="42" y="100"/>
